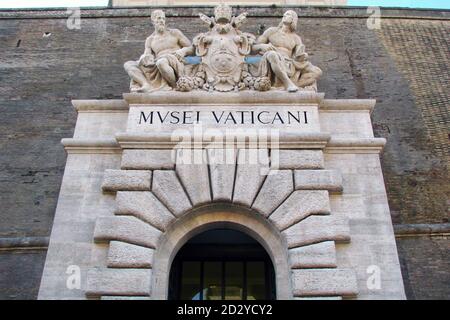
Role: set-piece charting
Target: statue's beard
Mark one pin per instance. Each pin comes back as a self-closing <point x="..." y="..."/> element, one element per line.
<point x="287" y="23"/>
<point x="160" y="27"/>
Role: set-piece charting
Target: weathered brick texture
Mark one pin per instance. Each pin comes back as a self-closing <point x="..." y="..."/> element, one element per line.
<point x="404" y="65"/>
<point x="425" y="267"/>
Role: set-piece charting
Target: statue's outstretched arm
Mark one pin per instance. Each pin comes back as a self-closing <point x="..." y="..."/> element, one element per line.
<point x="183" y="41"/>
<point x="185" y="44"/>
<point x="300" y="51"/>
<point x="262" y="43"/>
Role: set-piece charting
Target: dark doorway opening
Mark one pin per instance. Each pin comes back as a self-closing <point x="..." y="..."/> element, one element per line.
<point x="222" y="264"/>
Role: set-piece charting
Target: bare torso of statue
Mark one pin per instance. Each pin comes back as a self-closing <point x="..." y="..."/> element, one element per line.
<point x="165" y="43"/>
<point x="284" y="43"/>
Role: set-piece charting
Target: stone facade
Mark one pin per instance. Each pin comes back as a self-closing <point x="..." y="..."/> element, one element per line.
<point x="361" y="63"/>
<point x="302" y="214"/>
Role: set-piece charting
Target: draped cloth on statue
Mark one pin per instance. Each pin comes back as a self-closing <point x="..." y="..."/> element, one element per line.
<point x="153" y="75"/>
<point x="292" y="68"/>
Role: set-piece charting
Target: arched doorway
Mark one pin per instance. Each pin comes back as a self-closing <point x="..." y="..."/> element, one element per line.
<point x="222" y="264"/>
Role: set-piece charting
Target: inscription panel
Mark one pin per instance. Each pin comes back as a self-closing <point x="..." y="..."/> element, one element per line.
<point x="146" y="118"/>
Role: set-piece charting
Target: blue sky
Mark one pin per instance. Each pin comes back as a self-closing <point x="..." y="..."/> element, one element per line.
<point x="439" y="4"/>
<point x="442" y="4"/>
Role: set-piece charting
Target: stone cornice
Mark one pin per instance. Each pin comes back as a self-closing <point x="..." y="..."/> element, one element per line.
<point x="100" y="105"/>
<point x="254" y="11"/>
<point x="347" y="105"/>
<point x="205" y="98"/>
<point x="423" y="229"/>
<point x="273" y="97"/>
<point x="73" y="145"/>
<point x="23" y="243"/>
<point x="358" y="145"/>
<point x="165" y="140"/>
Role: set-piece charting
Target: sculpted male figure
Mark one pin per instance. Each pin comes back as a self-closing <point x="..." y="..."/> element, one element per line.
<point x="284" y="58"/>
<point x="161" y="64"/>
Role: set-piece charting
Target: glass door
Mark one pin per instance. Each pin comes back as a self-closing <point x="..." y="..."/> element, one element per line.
<point x="224" y="280"/>
<point x="222" y="265"/>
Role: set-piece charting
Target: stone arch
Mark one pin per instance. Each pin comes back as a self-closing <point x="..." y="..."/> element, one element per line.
<point x="220" y="215"/>
<point x="161" y="204"/>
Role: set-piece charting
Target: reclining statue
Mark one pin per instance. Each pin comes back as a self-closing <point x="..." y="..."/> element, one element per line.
<point x="222" y="51"/>
<point x="284" y="58"/>
<point x="162" y="62"/>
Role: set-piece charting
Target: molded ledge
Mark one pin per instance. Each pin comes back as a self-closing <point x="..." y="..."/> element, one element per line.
<point x="100" y="105"/>
<point x="348" y="105"/>
<point x="272" y="97"/>
<point x="358" y="145"/>
<point x="91" y="145"/>
<point x="165" y="140"/>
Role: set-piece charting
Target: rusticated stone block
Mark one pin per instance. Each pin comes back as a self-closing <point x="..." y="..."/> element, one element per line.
<point x="252" y="169"/>
<point x="324" y="282"/>
<point x="127" y="180"/>
<point x="319" y="255"/>
<point x="192" y="169"/>
<point x="274" y="191"/>
<point x="127" y="282"/>
<point x="148" y="159"/>
<point x="297" y="159"/>
<point x="127" y="229"/>
<point x="318" y="180"/>
<point x="125" y="255"/>
<point x="299" y="205"/>
<point x="317" y="229"/>
<point x="222" y="166"/>
<point x="169" y="190"/>
<point x="145" y="206"/>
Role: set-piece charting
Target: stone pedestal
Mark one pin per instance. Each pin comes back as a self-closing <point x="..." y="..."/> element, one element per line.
<point x="301" y="174"/>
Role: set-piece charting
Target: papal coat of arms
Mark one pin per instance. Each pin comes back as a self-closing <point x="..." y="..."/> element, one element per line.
<point x="222" y="51"/>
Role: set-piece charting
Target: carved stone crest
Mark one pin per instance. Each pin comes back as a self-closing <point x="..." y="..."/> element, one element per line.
<point x="222" y="52"/>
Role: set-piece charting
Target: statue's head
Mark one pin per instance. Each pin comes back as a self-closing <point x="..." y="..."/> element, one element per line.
<point x="222" y="13"/>
<point x="290" y="18"/>
<point x="159" y="20"/>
